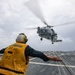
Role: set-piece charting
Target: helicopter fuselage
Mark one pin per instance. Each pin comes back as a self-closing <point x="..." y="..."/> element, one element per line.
<point x="48" y="33"/>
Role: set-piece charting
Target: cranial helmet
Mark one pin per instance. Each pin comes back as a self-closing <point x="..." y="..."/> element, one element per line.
<point x="22" y="38"/>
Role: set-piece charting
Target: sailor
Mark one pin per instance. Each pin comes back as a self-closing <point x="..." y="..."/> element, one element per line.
<point x="15" y="57"/>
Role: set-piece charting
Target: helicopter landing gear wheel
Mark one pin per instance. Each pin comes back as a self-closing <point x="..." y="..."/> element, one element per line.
<point x="41" y="39"/>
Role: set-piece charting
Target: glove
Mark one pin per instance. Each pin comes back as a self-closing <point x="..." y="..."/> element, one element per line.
<point x="54" y="58"/>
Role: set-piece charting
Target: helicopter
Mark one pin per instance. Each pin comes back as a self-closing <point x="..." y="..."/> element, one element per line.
<point x="47" y="32"/>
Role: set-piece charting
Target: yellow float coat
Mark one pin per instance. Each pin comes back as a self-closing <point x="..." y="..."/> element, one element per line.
<point x="14" y="59"/>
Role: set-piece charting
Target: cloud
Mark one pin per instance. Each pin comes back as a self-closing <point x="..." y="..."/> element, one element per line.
<point x="15" y="16"/>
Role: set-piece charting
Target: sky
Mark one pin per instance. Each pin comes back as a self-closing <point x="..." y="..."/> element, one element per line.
<point x="15" y="16"/>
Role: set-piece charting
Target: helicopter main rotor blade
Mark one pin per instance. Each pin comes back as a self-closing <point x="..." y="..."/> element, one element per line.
<point x="34" y="6"/>
<point x="30" y="28"/>
<point x="64" y="24"/>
